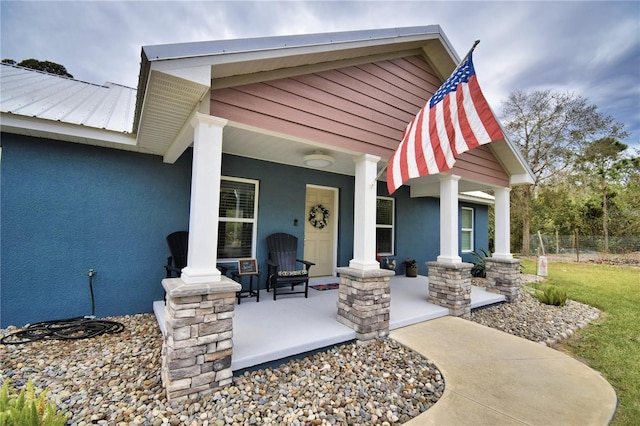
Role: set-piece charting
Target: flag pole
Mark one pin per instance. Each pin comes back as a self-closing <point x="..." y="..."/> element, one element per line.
<point x="475" y="44"/>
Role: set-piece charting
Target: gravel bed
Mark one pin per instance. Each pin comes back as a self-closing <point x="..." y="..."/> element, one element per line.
<point x="115" y="379"/>
<point x="535" y="321"/>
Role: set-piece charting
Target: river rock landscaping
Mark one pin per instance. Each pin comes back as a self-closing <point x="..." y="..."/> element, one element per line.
<point x="115" y="379"/>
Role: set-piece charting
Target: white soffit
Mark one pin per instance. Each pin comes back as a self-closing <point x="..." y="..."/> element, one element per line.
<point x="169" y="102"/>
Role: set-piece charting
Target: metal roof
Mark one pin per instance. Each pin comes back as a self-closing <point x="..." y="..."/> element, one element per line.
<point x="227" y="47"/>
<point x="29" y="93"/>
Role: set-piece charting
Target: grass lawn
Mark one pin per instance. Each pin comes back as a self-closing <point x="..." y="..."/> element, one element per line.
<point x="611" y="344"/>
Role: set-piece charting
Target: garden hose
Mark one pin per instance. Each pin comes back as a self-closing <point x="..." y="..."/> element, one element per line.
<point x="66" y="329"/>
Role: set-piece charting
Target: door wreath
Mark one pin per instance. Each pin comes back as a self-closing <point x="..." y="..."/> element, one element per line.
<point x="319" y="216"/>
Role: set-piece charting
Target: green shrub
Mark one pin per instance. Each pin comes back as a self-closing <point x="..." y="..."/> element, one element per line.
<point x="551" y="295"/>
<point x="479" y="269"/>
<point x="25" y="410"/>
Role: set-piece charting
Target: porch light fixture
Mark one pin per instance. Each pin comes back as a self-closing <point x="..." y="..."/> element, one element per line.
<point x="318" y="159"/>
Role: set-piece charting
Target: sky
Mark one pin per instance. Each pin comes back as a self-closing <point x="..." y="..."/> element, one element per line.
<point x="587" y="48"/>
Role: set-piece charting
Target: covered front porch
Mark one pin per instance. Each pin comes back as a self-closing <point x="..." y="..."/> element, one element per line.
<point x="271" y="330"/>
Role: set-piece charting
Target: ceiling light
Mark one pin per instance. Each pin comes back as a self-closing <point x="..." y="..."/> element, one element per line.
<point x="318" y="159"/>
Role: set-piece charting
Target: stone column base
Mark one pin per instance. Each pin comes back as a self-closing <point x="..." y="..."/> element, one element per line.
<point x="364" y="302"/>
<point x="503" y="275"/>
<point x="450" y="287"/>
<point x="197" y="347"/>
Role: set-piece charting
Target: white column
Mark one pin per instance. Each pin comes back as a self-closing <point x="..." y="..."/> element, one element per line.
<point x="449" y="232"/>
<point x="502" y="224"/>
<point x="205" y="200"/>
<point x="364" y="214"/>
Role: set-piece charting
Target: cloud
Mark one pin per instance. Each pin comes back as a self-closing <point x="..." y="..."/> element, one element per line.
<point x="590" y="48"/>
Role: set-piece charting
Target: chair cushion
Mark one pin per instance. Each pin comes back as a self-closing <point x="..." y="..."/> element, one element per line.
<point x="297" y="273"/>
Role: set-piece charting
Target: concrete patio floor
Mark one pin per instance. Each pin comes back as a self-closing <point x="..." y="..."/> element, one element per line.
<point x="269" y="330"/>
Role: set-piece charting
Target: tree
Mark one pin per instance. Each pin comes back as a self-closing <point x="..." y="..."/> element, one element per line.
<point x="628" y="222"/>
<point x="604" y="164"/>
<point x="46" y="66"/>
<point x="600" y="161"/>
<point x="551" y="129"/>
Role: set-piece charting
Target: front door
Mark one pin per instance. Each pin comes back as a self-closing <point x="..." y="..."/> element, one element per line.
<point x="320" y="230"/>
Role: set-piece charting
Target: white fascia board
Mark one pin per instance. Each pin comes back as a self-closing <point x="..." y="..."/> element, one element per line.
<point x="477" y="197"/>
<point x="521" y="179"/>
<point x="12" y="123"/>
<point x="279" y="46"/>
<point x="197" y="73"/>
<point x="212" y="59"/>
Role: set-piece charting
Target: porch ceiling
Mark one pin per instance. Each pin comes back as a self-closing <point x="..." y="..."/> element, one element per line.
<point x="277" y="149"/>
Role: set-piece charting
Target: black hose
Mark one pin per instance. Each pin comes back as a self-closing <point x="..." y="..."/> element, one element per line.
<point x="66" y="329"/>
<point x="93" y="304"/>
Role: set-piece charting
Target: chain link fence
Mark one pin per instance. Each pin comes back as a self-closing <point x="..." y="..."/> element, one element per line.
<point x="586" y="248"/>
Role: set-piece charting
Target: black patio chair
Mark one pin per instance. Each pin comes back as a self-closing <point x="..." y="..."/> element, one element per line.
<point x="282" y="266"/>
<point x="178" y="243"/>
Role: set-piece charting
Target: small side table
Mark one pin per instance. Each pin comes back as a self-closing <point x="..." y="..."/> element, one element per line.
<point x="236" y="276"/>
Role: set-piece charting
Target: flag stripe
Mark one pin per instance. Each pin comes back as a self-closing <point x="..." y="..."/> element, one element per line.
<point x="456" y="119"/>
<point x="467" y="134"/>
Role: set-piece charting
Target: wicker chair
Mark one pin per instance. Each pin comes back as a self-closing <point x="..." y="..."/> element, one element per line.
<point x="283" y="270"/>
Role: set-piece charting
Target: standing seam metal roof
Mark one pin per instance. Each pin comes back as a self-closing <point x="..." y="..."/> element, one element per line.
<point x="31" y="93"/>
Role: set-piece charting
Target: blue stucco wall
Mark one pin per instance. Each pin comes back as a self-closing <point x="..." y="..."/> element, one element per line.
<point x="67" y="208"/>
<point x="418" y="228"/>
<point x="282" y="201"/>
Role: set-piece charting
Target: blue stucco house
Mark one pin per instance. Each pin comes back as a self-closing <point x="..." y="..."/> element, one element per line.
<point x="232" y="140"/>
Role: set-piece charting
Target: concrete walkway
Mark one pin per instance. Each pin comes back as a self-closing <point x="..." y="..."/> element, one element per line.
<point x="494" y="378"/>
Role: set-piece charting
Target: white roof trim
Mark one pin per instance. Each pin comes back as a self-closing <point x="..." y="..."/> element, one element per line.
<point x="279" y="44"/>
<point x="32" y="126"/>
<point x="477" y="197"/>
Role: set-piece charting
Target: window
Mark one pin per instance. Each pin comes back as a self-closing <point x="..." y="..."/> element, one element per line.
<point x="466" y="233"/>
<point x="238" y="219"/>
<point x="384" y="225"/>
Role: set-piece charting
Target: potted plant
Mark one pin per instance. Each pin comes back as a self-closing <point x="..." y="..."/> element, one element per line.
<point x="411" y="267"/>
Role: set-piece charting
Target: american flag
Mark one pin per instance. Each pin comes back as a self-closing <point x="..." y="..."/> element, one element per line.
<point x="456" y="119"/>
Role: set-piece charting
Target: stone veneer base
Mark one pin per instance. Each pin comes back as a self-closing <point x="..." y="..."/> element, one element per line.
<point x="450" y="287"/>
<point x="197" y="347"/>
<point x="364" y="302"/>
<point x="503" y="275"/>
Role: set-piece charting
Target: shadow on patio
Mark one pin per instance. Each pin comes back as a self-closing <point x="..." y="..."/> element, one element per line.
<point x="272" y="330"/>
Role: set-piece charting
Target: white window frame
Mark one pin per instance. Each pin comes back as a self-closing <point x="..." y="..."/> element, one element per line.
<point x="471" y="230"/>
<point x="392" y="226"/>
<point x="254" y="220"/>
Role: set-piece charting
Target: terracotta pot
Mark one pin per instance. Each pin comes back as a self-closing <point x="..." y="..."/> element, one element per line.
<point x="411" y="272"/>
